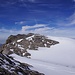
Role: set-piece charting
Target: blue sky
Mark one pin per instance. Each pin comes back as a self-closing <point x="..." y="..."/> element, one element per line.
<point x="48" y="17"/>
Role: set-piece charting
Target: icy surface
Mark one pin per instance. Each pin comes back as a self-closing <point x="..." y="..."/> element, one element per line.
<point x="57" y="60"/>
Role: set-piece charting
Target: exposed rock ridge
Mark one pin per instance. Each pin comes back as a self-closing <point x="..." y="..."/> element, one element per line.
<point x="9" y="66"/>
<point x="20" y="43"/>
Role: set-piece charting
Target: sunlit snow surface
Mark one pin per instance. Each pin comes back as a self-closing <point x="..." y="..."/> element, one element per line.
<point x="19" y="40"/>
<point x="57" y="60"/>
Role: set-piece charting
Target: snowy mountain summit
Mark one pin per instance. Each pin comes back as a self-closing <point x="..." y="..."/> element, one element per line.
<point x="21" y="43"/>
<point x="50" y="55"/>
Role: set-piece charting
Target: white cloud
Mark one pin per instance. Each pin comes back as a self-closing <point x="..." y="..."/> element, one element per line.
<point x="27" y="1"/>
<point x="40" y="29"/>
<point x="45" y="30"/>
<point x="23" y="3"/>
<point x="74" y="0"/>
<point x="6" y="31"/>
<point x="24" y="28"/>
<point x="20" y="23"/>
<point x="72" y="17"/>
<point x="7" y="3"/>
<point x="32" y="1"/>
<point x="70" y="21"/>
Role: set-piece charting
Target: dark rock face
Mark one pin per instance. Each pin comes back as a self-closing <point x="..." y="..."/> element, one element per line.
<point x="20" y="43"/>
<point x="9" y="66"/>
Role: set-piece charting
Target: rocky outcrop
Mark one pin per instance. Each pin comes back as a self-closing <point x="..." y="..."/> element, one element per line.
<point x="9" y="66"/>
<point x="20" y="43"/>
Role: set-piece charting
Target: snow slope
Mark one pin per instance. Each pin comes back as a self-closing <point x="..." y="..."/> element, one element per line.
<point x="57" y="60"/>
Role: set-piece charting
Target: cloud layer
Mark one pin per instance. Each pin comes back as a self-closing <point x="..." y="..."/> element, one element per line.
<point x="40" y="29"/>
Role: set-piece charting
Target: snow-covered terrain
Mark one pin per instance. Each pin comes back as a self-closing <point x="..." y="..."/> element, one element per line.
<point x="57" y="60"/>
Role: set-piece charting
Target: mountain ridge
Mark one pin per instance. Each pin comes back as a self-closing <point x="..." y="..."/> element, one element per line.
<point x="9" y="66"/>
<point x="19" y="44"/>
